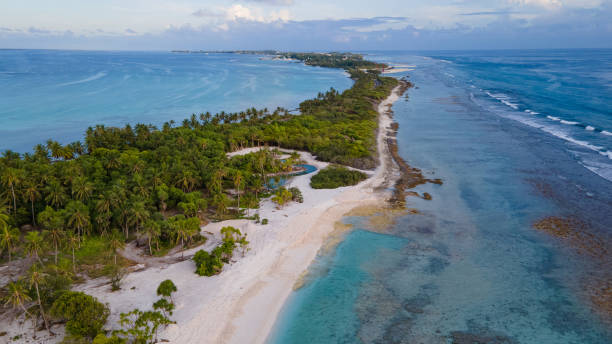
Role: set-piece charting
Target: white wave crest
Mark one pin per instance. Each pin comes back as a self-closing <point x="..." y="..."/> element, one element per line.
<point x="605" y="132"/>
<point x="589" y="128"/>
<point x="553" y="118"/>
<point x="91" y="78"/>
<point x="568" y="122"/>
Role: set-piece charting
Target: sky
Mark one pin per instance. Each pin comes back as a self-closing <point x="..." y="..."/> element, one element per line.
<point x="305" y="24"/>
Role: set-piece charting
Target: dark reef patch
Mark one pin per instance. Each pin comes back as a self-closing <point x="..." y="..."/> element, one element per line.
<point x="477" y="334"/>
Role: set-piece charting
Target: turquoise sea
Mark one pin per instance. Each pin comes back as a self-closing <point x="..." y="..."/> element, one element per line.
<point x="57" y="94"/>
<point x="516" y="136"/>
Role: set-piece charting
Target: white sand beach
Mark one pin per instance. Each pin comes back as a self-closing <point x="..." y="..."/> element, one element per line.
<point x="241" y="304"/>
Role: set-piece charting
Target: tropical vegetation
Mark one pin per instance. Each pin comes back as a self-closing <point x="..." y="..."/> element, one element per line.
<point x="68" y="210"/>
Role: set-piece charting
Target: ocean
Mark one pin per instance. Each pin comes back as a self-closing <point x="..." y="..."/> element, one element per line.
<point x="518" y="137"/>
<point x="57" y="94"/>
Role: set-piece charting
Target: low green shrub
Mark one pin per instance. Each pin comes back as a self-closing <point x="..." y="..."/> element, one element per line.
<point x="333" y="177"/>
<point x="84" y="314"/>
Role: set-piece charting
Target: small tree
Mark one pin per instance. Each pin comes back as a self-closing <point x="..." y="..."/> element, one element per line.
<point x="116" y="243"/>
<point x="165" y="306"/>
<point x="36" y="279"/>
<point x="17" y="296"/>
<point x="35" y="245"/>
<point x="9" y="239"/>
<point x="166" y="288"/>
<point x="281" y="197"/>
<point x="142" y="327"/>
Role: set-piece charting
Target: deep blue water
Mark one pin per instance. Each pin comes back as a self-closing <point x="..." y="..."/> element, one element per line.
<point x="470" y="268"/>
<point x="58" y="94"/>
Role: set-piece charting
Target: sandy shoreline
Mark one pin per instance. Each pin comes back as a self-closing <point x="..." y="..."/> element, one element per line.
<point x="242" y="303"/>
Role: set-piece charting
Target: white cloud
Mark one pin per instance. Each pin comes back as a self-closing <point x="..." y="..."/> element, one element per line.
<point x="541" y="3"/>
<point x="275" y="2"/>
<point x="239" y="12"/>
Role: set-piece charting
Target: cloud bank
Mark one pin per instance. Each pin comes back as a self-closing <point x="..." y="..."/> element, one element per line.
<point x="555" y="24"/>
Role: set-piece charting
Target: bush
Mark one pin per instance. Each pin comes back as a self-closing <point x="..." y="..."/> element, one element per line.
<point x="264" y="221"/>
<point x="166" y="288"/>
<point x="165" y="306"/>
<point x="207" y="264"/>
<point x="333" y="177"/>
<point x="84" y="314"/>
<point x="141" y="327"/>
<point x="296" y="195"/>
<point x="102" y="339"/>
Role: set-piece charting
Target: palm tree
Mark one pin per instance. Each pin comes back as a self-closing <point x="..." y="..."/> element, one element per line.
<point x="53" y="221"/>
<point x="55" y="148"/>
<point x="32" y="194"/>
<point x="152" y="231"/>
<point x="55" y="193"/>
<point x="73" y="242"/>
<point x="184" y="231"/>
<point x="116" y="243"/>
<point x="81" y="189"/>
<point x="187" y="181"/>
<point x="138" y="215"/>
<point x="56" y="235"/>
<point x="237" y="184"/>
<point x="11" y="178"/>
<point x="9" y="237"/>
<point x="37" y="278"/>
<point x="78" y="216"/>
<point x="34" y="244"/>
<point x="17" y="296"/>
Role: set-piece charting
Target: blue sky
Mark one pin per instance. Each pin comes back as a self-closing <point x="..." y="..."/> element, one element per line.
<point x="305" y="24"/>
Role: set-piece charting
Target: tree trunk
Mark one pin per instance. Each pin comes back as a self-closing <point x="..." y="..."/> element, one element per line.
<point x="73" y="261"/>
<point x="115" y="256"/>
<point x="33" y="218"/>
<point x="238" y="201"/>
<point x="42" y="310"/>
<point x="150" y="250"/>
<point x="56" y="253"/>
<point x="14" y="201"/>
<point x="183" y="249"/>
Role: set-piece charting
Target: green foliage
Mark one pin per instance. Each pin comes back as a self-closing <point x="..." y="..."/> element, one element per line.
<point x="84" y="315"/>
<point x="142" y="327"/>
<point x="165" y="306"/>
<point x="103" y="339"/>
<point x="333" y="177"/>
<point x="296" y="195"/>
<point x="209" y="264"/>
<point x="282" y="196"/>
<point x="264" y="221"/>
<point x="166" y="288"/>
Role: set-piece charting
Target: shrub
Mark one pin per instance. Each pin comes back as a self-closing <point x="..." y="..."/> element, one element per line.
<point x="207" y="264"/>
<point x="264" y="221"/>
<point x="282" y="196"/>
<point x="84" y="314"/>
<point x="142" y="327"/>
<point x="166" y="288"/>
<point x="296" y="195"/>
<point x="165" y="306"/>
<point x="333" y="177"/>
<point x="102" y="339"/>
